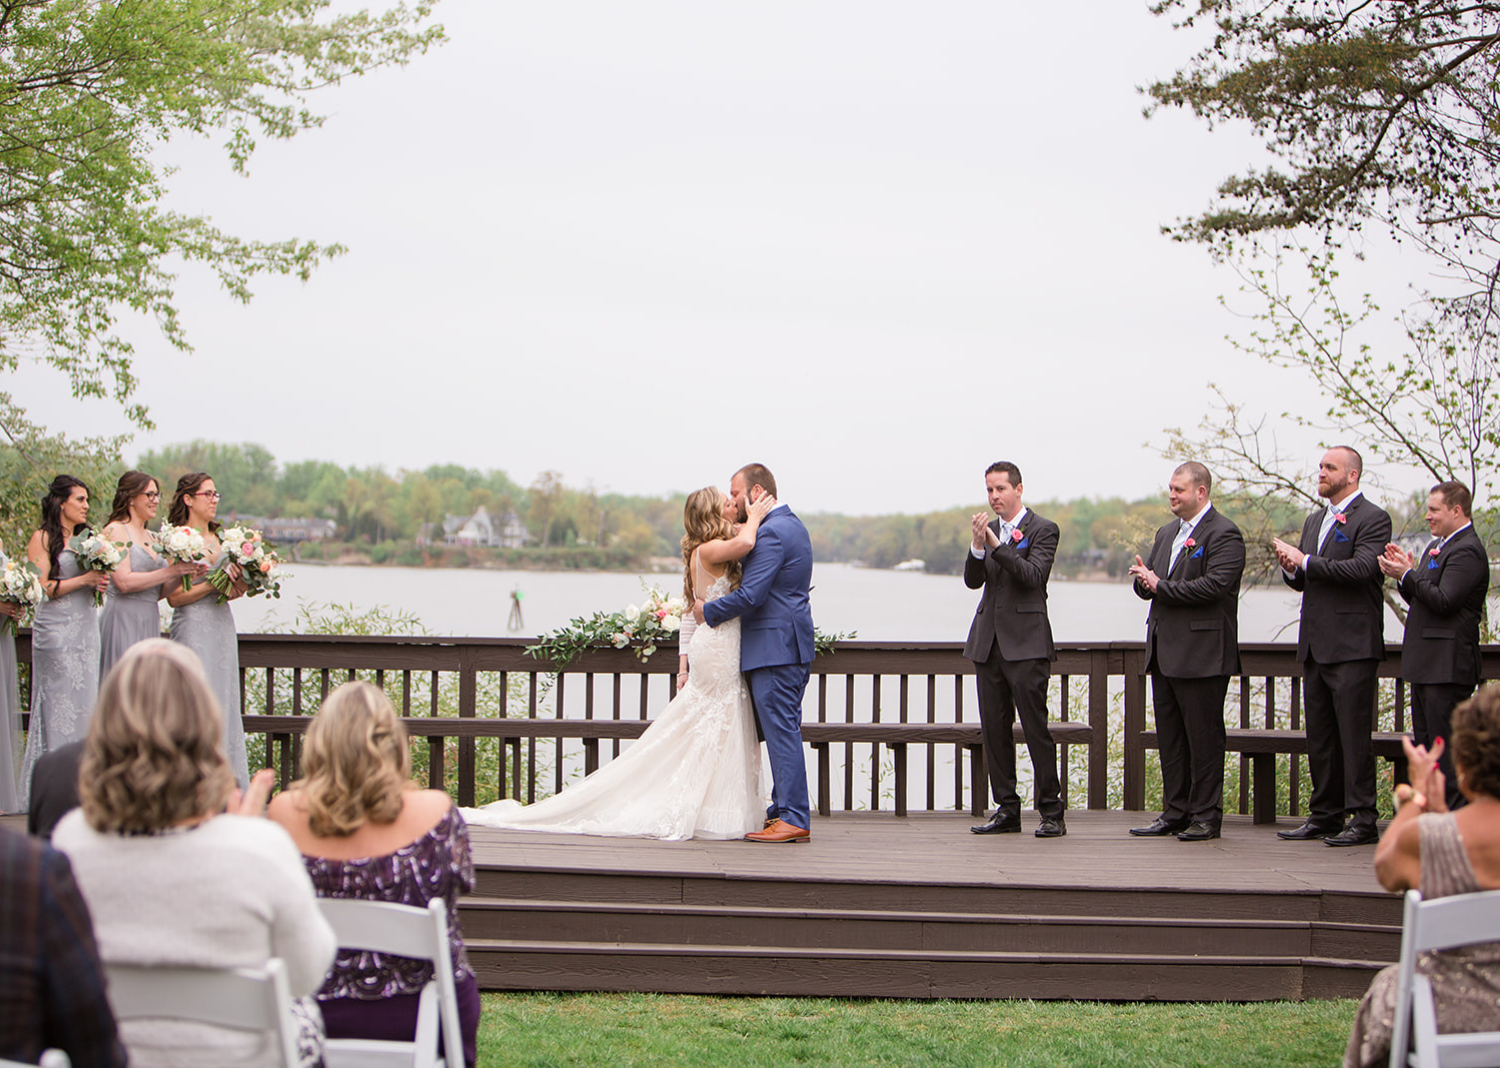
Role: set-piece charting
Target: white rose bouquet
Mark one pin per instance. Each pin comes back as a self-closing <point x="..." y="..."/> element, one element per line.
<point x="257" y="563"/>
<point x="20" y="583"/>
<point x="95" y="552"/>
<point x="181" y="545"/>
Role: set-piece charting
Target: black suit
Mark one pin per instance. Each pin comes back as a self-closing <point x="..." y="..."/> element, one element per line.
<point x="1340" y="643"/>
<point x="1010" y="643"/>
<point x="1440" y="654"/>
<point x="1192" y="639"/>
<point x="54" y="789"/>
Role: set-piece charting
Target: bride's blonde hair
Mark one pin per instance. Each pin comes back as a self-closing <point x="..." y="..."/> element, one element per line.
<point x="703" y="520"/>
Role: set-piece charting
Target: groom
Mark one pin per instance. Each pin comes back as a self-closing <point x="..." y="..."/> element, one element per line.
<point x="776" y="645"/>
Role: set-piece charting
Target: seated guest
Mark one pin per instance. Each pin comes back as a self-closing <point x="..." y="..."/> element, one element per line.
<point x="171" y="877"/>
<point x="51" y="978"/>
<point x="367" y="831"/>
<point x="54" y="789"/>
<point x="1441" y="853"/>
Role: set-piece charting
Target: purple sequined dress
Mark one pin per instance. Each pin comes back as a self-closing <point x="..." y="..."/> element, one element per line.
<point x="374" y="995"/>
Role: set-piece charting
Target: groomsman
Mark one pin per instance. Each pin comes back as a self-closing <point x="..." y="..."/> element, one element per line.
<point x="1010" y="642"/>
<point x="1445" y="588"/>
<point x="1340" y="644"/>
<point x="1192" y="580"/>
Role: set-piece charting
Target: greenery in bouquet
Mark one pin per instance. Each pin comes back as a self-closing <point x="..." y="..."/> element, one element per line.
<point x="641" y="626"/>
<point x="180" y="545"/>
<point x="257" y="561"/>
<point x="95" y="552"/>
<point x="20" y="583"/>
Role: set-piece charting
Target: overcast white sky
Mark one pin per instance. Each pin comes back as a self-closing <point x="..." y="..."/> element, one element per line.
<point x="874" y="245"/>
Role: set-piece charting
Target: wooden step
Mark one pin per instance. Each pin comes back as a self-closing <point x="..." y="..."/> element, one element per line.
<point x="794" y="971"/>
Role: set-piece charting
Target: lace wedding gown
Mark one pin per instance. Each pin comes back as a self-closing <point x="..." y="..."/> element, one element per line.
<point x="695" y="773"/>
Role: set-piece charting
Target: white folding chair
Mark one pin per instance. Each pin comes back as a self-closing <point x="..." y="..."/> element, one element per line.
<point x="404" y="931"/>
<point x="51" y="1058"/>
<point x="1444" y="923"/>
<point x="244" y="999"/>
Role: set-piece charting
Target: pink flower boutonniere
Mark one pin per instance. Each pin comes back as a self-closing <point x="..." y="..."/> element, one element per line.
<point x="1016" y="535"/>
<point x="1340" y="518"/>
<point x="1189" y="543"/>
<point x="1433" y="551"/>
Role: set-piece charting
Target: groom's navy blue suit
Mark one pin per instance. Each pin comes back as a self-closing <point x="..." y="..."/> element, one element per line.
<point x="776" y="649"/>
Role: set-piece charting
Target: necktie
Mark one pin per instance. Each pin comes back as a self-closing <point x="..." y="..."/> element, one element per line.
<point x="1183" y="530"/>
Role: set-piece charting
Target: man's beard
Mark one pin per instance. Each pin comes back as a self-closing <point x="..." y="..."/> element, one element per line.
<point x="742" y="511"/>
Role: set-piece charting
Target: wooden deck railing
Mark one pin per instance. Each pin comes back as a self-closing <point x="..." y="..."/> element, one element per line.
<point x="491" y="722"/>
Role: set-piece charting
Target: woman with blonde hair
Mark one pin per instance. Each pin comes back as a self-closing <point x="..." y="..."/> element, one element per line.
<point x="367" y="831"/>
<point x="170" y="876"/>
<point x="696" y="770"/>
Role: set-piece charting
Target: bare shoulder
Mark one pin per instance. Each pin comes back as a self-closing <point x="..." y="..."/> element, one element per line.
<point x="288" y="809"/>
<point x="425" y="807"/>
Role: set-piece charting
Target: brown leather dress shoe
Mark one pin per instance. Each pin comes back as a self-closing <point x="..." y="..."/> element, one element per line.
<point x="780" y="831"/>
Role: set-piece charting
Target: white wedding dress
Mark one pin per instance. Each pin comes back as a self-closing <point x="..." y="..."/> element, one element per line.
<point x="695" y="773"/>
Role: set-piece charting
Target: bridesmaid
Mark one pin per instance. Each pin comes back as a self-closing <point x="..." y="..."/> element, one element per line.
<point x="130" y="612"/>
<point x="10" y="709"/>
<point x="65" y="634"/>
<point x="202" y="625"/>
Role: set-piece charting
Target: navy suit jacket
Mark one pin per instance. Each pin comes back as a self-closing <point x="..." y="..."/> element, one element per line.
<point x="1446" y="593"/>
<point x="1013" y="609"/>
<point x="1193" y="630"/>
<point x="772" y="602"/>
<point x="1343" y="612"/>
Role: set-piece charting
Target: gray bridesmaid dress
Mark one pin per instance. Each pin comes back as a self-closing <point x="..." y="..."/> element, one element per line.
<point x="10" y="728"/>
<point x="129" y="617"/>
<point x="64" y="670"/>
<point x="208" y="630"/>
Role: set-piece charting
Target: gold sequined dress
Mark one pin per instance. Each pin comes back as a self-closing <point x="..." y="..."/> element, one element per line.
<point x="1465" y="981"/>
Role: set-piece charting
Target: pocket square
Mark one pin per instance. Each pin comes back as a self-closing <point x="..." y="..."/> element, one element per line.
<point x="1338" y="535"/>
<point x="1432" y="565"/>
<point x="1197" y="554"/>
<point x="1023" y="543"/>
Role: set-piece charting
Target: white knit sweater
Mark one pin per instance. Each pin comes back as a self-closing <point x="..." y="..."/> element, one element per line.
<point x="229" y="893"/>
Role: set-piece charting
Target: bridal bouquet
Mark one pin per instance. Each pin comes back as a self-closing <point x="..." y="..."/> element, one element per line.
<point x="95" y="552"/>
<point x="642" y="626"/>
<point x="19" y="584"/>
<point x="257" y="562"/>
<point x="181" y="545"/>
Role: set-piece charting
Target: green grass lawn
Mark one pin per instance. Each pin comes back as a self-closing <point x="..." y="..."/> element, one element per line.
<point x="648" y="1029"/>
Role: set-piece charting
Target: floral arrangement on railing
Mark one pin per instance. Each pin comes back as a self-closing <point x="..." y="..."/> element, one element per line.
<point x="641" y="627"/>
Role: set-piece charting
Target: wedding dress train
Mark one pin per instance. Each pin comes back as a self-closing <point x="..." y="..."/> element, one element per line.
<point x="695" y="773"/>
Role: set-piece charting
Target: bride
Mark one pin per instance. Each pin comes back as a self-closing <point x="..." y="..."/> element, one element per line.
<point x="696" y="770"/>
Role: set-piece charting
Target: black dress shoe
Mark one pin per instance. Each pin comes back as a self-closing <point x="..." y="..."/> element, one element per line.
<point x="1051" y="827"/>
<point x="1307" y="831"/>
<point x="1352" y="836"/>
<point x="1160" y="828"/>
<point x="999" y="823"/>
<point x="1200" y="831"/>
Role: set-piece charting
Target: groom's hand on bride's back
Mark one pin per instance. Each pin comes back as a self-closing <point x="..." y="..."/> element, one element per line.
<point x="698" y="609"/>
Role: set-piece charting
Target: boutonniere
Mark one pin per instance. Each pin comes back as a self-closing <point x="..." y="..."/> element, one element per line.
<point x="1016" y="535"/>
<point x="1189" y="543"/>
<point x="1433" y="551"/>
<point x="1340" y="518"/>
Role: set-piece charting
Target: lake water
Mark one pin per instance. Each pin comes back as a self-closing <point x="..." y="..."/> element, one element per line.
<point x="879" y="605"/>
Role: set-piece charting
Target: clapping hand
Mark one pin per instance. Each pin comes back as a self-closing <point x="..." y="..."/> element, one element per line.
<point x="1144" y="575"/>
<point x="1395" y="561"/>
<point x="1426" y="778"/>
<point x="984" y="537"/>
<point x="252" y="801"/>
<point x="1287" y="555"/>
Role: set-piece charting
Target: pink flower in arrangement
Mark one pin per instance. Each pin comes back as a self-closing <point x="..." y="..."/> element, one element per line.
<point x="1340" y="517"/>
<point x="662" y="614"/>
<point x="248" y="548"/>
<point x="1016" y="535"/>
<point x="266" y="565"/>
<point x="1190" y="543"/>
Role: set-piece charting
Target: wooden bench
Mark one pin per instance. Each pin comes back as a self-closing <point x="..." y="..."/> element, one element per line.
<point x="897" y="736"/>
<point x="1262" y="747"/>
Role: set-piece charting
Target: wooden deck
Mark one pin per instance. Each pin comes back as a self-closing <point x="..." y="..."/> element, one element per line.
<point x="877" y="905"/>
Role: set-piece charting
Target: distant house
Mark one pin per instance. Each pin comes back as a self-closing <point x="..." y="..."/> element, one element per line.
<point x="481" y="528"/>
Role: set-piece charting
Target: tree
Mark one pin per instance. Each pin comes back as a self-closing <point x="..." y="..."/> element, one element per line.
<point x="89" y="91"/>
<point x="1375" y="112"/>
<point x="545" y="496"/>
